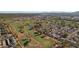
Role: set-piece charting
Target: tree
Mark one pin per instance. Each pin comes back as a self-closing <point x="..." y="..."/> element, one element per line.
<point x="64" y="35"/>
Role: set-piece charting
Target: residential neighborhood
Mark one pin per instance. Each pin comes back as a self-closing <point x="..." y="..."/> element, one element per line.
<point x="38" y="30"/>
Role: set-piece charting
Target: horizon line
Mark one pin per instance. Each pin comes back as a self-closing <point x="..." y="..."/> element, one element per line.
<point x="37" y="11"/>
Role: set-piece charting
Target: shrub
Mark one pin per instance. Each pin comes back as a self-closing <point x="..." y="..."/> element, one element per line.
<point x="37" y="34"/>
<point x="25" y="41"/>
<point x="42" y="36"/>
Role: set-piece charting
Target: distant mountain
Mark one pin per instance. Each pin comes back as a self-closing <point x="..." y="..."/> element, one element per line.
<point x="24" y="13"/>
<point x="62" y="13"/>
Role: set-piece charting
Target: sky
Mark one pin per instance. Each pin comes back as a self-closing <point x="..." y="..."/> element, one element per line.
<point x="39" y="5"/>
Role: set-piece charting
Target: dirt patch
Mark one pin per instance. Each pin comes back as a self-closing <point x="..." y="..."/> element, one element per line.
<point x="21" y="35"/>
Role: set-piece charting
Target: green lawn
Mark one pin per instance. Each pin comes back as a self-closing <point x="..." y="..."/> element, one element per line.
<point x="44" y="42"/>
